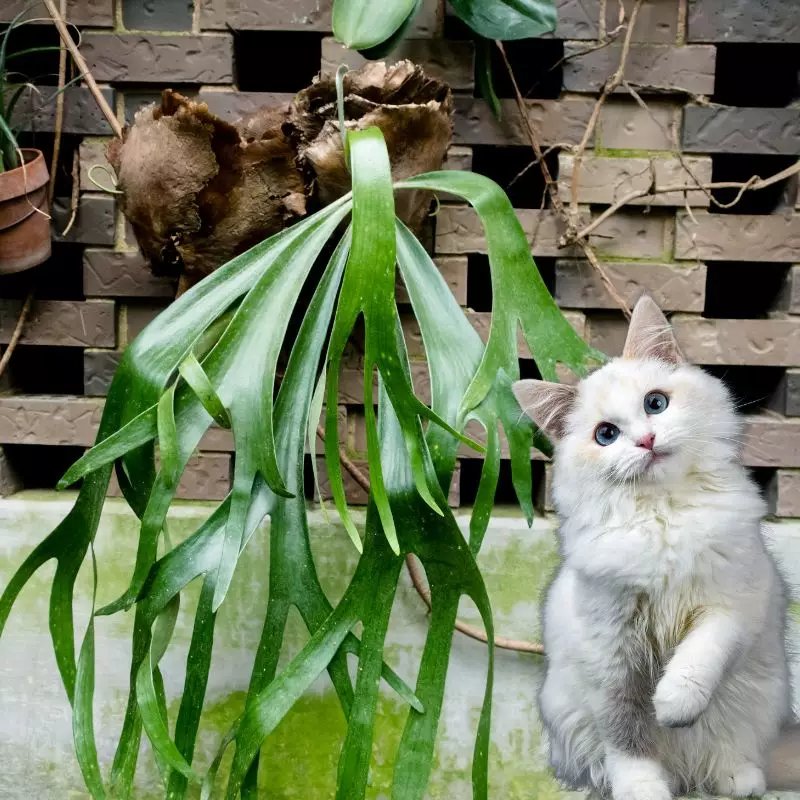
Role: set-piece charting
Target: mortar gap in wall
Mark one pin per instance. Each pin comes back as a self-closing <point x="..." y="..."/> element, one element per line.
<point x="504" y="165"/>
<point x="537" y="67"/>
<point x="751" y="387"/>
<point x="276" y="61"/>
<point x="742" y="289"/>
<point x="36" y="369"/>
<point x="756" y="75"/>
<point x="58" y="278"/>
<point x="41" y="466"/>
<point x="740" y="168"/>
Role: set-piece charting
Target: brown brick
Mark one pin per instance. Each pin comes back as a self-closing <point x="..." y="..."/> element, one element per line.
<point x="743" y="21"/>
<point x="282" y="15"/>
<point x="93" y="153"/>
<point x="606" y="180"/>
<point x="36" y="111"/>
<point x="624" y="125"/>
<point x="68" y="323"/>
<point x="207" y="476"/>
<point x="355" y="493"/>
<point x="94" y="13"/>
<point x="789" y="298"/>
<point x="675" y="287"/>
<point x="441" y="58"/>
<point x="136" y="317"/>
<point x="94" y="222"/>
<point x="664" y="67"/>
<point x="459" y="158"/>
<point x="783" y="493"/>
<point x="137" y="58"/>
<point x="53" y="420"/>
<point x="230" y="104"/>
<point x="738" y="237"/>
<point x="121" y="273"/>
<point x="9" y="480"/>
<point x="555" y="121"/>
<point x="99" y="367"/>
<point x="771" y="441"/>
<point x="657" y="21"/>
<point x="577" y="19"/>
<point x="628" y="234"/>
<point x="771" y="131"/>
<point x="753" y="342"/>
<point x="454" y="271"/>
<point x="786" y="398"/>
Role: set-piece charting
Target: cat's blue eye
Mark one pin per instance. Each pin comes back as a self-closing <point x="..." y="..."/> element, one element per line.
<point x="655" y="402"/>
<point x="606" y="433"/>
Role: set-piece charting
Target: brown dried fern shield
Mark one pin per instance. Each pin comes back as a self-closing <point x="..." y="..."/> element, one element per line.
<point x="198" y="191"/>
<point x="413" y="111"/>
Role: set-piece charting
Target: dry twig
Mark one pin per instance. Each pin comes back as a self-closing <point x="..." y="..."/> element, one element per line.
<point x="83" y="68"/>
<point x="17" y="332"/>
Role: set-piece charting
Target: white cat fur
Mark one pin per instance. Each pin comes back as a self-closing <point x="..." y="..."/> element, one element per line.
<point x="664" y="628"/>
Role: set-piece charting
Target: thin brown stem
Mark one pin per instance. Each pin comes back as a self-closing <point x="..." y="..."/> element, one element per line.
<point x="59" y="121"/>
<point x="83" y="68"/>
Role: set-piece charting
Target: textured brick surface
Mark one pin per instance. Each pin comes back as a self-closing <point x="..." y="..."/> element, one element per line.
<point x="92" y="153"/>
<point x="789" y="298"/>
<point x="743" y="21"/>
<point x="284" y="15"/>
<point x="99" y="367"/>
<point x="629" y="234"/>
<point x="753" y="342"/>
<point x="135" y="317"/>
<point x="577" y="19"/>
<point x="666" y="67"/>
<point x="121" y="273"/>
<point x="157" y="15"/>
<point x="607" y="180"/>
<point x="454" y="271"/>
<point x="626" y="126"/>
<point x="786" y="399"/>
<point x="49" y="420"/>
<point x="674" y="287"/>
<point x="443" y="59"/>
<point x="738" y="237"/>
<point x="97" y="13"/>
<point x="231" y="104"/>
<point x="94" y="222"/>
<point x="657" y="21"/>
<point x="68" y="323"/>
<point x="771" y="441"/>
<point x="36" y="111"/>
<point x="769" y="131"/>
<point x="459" y="157"/>
<point x="783" y="493"/>
<point x="555" y="121"/>
<point x="132" y="57"/>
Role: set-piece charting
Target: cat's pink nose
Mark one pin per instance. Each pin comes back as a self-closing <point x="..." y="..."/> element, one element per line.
<point x="647" y="441"/>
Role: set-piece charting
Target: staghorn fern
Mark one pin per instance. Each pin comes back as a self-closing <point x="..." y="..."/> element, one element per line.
<point x="212" y="357"/>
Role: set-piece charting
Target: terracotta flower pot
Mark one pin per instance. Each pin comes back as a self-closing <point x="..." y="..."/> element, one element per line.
<point x="24" y="223"/>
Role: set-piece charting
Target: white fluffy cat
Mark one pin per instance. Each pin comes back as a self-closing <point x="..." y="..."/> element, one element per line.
<point x="664" y="628"/>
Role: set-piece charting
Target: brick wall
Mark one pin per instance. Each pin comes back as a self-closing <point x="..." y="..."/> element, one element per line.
<point x="719" y="82"/>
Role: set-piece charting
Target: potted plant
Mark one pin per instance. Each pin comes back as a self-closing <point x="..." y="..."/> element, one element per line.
<point x="24" y="221"/>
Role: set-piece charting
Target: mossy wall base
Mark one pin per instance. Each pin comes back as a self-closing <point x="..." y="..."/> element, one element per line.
<point x="299" y="762"/>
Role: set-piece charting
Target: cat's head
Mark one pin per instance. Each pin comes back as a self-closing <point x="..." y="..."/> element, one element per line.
<point x="645" y="417"/>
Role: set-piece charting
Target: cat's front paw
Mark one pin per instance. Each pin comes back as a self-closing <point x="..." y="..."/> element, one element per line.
<point x="679" y="700"/>
<point x="745" y="780"/>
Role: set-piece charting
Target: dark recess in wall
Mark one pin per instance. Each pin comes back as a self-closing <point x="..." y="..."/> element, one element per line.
<point x="757" y="75"/>
<point x="46" y="370"/>
<point x="740" y="168"/>
<point x="479" y="280"/>
<point x="276" y="61"/>
<point x="505" y="494"/>
<point x="751" y="387"/>
<point x="741" y="289"/>
<point x="512" y="168"/>
<point x="41" y="466"/>
<point x="58" y="278"/>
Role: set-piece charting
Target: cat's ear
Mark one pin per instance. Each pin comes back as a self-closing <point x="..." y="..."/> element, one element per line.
<point x="547" y="404"/>
<point x="650" y="335"/>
